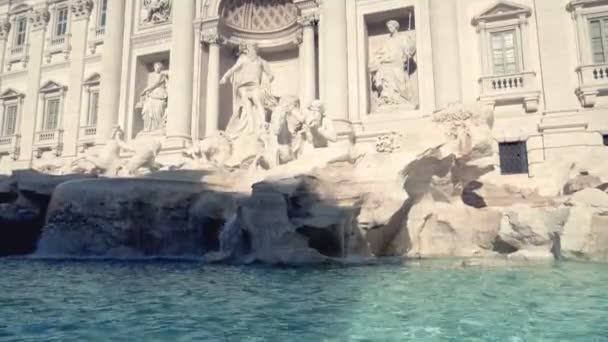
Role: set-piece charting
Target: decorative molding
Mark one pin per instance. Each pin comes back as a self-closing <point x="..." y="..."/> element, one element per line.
<point x="155" y="12"/>
<point x="308" y="20"/>
<point x="575" y="5"/>
<point x="81" y="9"/>
<point x="5" y="28"/>
<point x="93" y="80"/>
<point x="502" y="10"/>
<point x="11" y="93"/>
<point x="52" y="86"/>
<point x="211" y="38"/>
<point x="39" y="18"/>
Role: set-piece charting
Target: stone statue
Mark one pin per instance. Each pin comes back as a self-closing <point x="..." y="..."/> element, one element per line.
<point x="153" y="101"/>
<point x="391" y="69"/>
<point x="317" y="130"/>
<point x="156" y="11"/>
<point x="251" y="97"/>
<point x="144" y="158"/>
<point x="107" y="162"/>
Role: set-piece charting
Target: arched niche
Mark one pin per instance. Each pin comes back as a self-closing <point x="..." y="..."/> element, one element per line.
<point x="272" y="24"/>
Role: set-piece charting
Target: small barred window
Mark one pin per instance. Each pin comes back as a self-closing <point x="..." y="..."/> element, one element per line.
<point x="513" y="157"/>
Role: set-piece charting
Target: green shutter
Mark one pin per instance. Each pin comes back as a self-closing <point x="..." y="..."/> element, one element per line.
<point x="52" y="115"/>
<point x="10" y="120"/>
<point x="597" y="46"/>
<point x="504" y="52"/>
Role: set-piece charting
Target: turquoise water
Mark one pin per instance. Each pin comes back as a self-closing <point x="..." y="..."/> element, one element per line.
<point x="185" y="301"/>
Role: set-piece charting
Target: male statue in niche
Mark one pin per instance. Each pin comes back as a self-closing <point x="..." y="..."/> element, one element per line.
<point x="391" y="69"/>
<point x="252" y="98"/>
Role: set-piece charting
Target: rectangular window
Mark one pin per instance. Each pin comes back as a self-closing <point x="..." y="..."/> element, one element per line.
<point x="9" y="125"/>
<point x="61" y="25"/>
<point x="103" y="13"/>
<point x="93" y="108"/>
<point x="605" y="139"/>
<point x="504" y="52"/>
<point x="513" y="157"/>
<point x="20" y="30"/>
<point x="51" y="115"/>
<point x="598" y="30"/>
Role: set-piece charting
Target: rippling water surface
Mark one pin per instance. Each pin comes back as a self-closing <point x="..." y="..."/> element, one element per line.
<point x="182" y="301"/>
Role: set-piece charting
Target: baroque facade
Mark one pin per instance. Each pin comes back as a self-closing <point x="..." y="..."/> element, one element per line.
<point x="71" y="71"/>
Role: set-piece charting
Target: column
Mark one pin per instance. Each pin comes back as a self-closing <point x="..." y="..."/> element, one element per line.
<point x="5" y="28"/>
<point x="38" y="20"/>
<point x="111" y="64"/>
<point x="212" y="111"/>
<point x="446" y="52"/>
<point x="181" y="78"/>
<point x="308" y="84"/>
<point x="79" y="29"/>
<point x="336" y="61"/>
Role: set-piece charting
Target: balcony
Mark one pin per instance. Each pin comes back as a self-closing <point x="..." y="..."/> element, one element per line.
<point x="86" y="137"/>
<point x="97" y="34"/>
<point x="17" y="54"/>
<point x="51" y="140"/>
<point x="58" y="45"/>
<point x="512" y="88"/>
<point x="9" y="145"/>
<point x="593" y="79"/>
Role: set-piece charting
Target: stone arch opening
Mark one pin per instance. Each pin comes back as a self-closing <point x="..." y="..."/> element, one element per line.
<point x="259" y="16"/>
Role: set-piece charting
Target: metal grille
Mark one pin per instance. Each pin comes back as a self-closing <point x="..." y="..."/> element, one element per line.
<point x="513" y="158"/>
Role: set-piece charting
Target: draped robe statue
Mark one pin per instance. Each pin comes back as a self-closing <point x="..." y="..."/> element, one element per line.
<point x="153" y="101"/>
<point x="391" y="69"/>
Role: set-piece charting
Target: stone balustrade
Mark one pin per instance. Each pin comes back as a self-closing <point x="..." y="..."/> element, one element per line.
<point x="17" y="54"/>
<point x="592" y="79"/>
<point x="10" y="145"/>
<point x="50" y="140"/>
<point x="518" y="87"/>
<point x="58" y="45"/>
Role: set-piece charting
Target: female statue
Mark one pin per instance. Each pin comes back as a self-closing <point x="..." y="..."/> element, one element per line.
<point x="153" y="101"/>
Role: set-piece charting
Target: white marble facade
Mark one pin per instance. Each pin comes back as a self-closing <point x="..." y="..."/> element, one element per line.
<point x="71" y="71"/>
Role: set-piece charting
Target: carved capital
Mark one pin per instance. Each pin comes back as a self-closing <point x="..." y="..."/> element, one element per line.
<point x="39" y="18"/>
<point x="212" y="39"/>
<point x="298" y="38"/>
<point x="5" y="28"/>
<point x="81" y="9"/>
<point x="308" y="20"/>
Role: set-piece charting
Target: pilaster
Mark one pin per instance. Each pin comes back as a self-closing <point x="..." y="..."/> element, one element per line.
<point x="335" y="60"/>
<point x="181" y="78"/>
<point x="81" y="12"/>
<point x="446" y="52"/>
<point x="38" y="21"/>
<point x="111" y="64"/>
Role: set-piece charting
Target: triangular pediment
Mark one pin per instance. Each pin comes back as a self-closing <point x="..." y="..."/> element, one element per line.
<point x="10" y="93"/>
<point x="93" y="79"/>
<point x="19" y="9"/>
<point x="502" y="10"/>
<point x="51" y="86"/>
<point x="572" y="5"/>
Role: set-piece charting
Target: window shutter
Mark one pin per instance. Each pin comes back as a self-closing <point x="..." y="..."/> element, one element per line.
<point x="504" y="52"/>
<point x="93" y="109"/>
<point x="52" y="114"/>
<point x="597" y="46"/>
<point x="10" y="120"/>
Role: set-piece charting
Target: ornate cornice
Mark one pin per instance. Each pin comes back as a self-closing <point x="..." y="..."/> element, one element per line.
<point x="308" y="20"/>
<point x="39" y="18"/>
<point x="5" y="28"/>
<point x="212" y="38"/>
<point x="81" y="9"/>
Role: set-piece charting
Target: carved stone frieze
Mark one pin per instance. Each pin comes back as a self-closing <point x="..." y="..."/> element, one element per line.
<point x="308" y="20"/>
<point x="211" y="38"/>
<point x="388" y="143"/>
<point x="5" y="28"/>
<point x="39" y="18"/>
<point x="81" y="9"/>
<point x="155" y="12"/>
